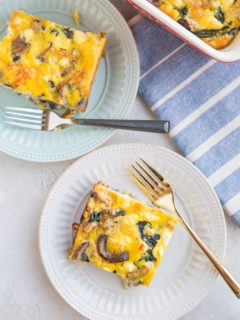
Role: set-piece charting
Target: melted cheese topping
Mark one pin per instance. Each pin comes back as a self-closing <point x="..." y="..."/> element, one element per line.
<point x="130" y="226"/>
<point x="49" y="62"/>
<point x="217" y="22"/>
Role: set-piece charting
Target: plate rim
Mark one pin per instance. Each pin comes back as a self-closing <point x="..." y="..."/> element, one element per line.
<point x="75" y="152"/>
<point x="215" y="274"/>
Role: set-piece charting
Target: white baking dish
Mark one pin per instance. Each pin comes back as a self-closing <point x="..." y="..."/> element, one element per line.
<point x="229" y="54"/>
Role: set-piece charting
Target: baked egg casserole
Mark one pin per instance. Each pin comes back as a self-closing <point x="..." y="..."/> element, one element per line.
<point x="216" y="22"/>
<point x="119" y="234"/>
<point x="53" y="65"/>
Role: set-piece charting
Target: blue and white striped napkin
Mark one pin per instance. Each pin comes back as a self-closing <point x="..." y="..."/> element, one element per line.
<point x="201" y="98"/>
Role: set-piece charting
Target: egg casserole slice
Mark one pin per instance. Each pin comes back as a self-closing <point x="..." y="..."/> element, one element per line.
<point x="119" y="234"/>
<point x="217" y="22"/>
<point x="52" y="64"/>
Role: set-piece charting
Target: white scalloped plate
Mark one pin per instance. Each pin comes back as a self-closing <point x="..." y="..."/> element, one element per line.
<point x="114" y="89"/>
<point x="184" y="276"/>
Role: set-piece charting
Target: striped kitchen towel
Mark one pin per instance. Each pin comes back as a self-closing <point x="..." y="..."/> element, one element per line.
<point x="201" y="98"/>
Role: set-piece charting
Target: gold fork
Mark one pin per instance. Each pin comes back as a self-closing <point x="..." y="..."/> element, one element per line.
<point x="158" y="190"/>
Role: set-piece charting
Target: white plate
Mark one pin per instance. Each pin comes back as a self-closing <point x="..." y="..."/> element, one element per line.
<point x="184" y="276"/>
<point x="114" y="89"/>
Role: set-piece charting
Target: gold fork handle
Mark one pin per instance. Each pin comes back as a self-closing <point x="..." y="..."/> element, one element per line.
<point x="232" y="283"/>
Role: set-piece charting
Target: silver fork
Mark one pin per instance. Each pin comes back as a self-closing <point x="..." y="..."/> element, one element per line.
<point x="44" y="120"/>
<point x="158" y="190"/>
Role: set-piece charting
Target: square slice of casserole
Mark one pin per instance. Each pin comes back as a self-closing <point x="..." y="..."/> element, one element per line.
<point x="52" y="64"/>
<point x="119" y="234"/>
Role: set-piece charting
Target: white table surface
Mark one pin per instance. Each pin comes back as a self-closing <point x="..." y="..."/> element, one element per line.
<point x="25" y="291"/>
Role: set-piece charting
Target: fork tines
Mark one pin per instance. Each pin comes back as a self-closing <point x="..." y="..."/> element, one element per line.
<point x="150" y="181"/>
<point x="24" y="117"/>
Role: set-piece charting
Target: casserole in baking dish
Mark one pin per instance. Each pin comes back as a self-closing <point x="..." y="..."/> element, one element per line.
<point x="217" y="22"/>
<point x="217" y="27"/>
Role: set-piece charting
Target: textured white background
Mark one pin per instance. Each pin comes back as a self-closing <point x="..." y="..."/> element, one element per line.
<point x="25" y="291"/>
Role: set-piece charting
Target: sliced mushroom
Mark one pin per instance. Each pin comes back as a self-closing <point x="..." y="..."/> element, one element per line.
<point x="110" y="256"/>
<point x="1" y="75"/>
<point x="80" y="252"/>
<point x="75" y="226"/>
<point x="42" y="54"/>
<point x="138" y="273"/>
<point x="133" y="277"/>
<point x="19" y="46"/>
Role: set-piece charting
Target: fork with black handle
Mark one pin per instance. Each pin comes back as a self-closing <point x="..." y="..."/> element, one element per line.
<point x="44" y="120"/>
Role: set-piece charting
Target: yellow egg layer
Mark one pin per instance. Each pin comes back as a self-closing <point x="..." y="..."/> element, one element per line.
<point x="132" y="235"/>
<point x="217" y="22"/>
<point x="53" y="64"/>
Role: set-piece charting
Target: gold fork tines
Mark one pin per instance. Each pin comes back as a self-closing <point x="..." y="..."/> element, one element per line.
<point x="159" y="191"/>
<point x="153" y="184"/>
<point x="141" y="183"/>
